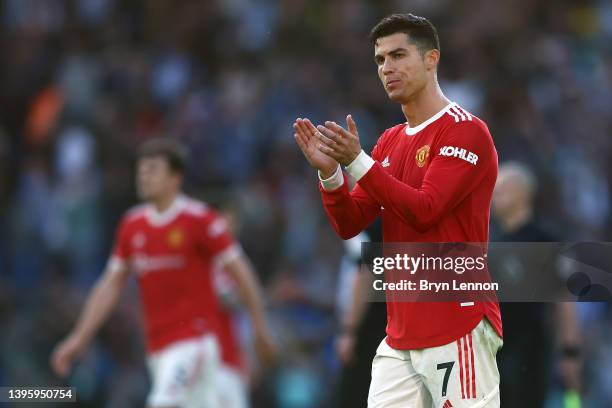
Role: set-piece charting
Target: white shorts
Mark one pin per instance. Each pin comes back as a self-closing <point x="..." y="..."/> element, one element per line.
<point x="459" y="374"/>
<point x="232" y="390"/>
<point x="184" y="374"/>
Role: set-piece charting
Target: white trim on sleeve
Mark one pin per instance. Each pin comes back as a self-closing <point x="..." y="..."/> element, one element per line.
<point x="116" y="264"/>
<point x="227" y="255"/>
<point x="360" y="166"/>
<point x="334" y="182"/>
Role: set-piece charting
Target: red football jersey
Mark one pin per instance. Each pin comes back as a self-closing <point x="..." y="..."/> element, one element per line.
<point x="173" y="255"/>
<point x="228" y="339"/>
<point x="430" y="183"/>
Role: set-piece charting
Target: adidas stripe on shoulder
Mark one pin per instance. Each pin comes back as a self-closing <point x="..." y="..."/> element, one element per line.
<point x="459" y="114"/>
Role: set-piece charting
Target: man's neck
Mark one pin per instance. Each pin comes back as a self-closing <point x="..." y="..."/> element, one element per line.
<point x="424" y="105"/>
<point x="163" y="203"/>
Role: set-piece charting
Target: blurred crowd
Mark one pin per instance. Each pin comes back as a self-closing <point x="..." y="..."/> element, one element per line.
<point x="83" y="82"/>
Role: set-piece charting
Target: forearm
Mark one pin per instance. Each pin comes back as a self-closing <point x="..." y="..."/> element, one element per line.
<point x="249" y="288"/>
<point x="345" y="217"/>
<point x="354" y="315"/>
<point x="347" y="214"/>
<point x="410" y="204"/>
<point x="567" y="325"/>
<point x="99" y="305"/>
<point x="444" y="185"/>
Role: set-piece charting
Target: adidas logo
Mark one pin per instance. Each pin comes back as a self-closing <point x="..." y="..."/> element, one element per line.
<point x="385" y="163"/>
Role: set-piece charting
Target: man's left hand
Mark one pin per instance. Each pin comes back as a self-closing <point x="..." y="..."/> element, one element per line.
<point x="265" y="346"/>
<point x="339" y="143"/>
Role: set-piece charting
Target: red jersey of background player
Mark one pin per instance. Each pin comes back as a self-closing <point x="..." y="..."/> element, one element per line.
<point x="430" y="183"/>
<point x="226" y="289"/>
<point x="173" y="255"/>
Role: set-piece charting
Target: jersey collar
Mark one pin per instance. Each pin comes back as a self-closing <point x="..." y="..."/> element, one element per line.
<point x="159" y="219"/>
<point x="410" y="131"/>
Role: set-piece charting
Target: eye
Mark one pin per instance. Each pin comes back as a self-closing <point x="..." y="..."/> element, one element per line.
<point x="379" y="60"/>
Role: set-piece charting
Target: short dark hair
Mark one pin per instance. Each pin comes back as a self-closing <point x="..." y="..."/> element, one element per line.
<point x="171" y="150"/>
<point x="419" y="30"/>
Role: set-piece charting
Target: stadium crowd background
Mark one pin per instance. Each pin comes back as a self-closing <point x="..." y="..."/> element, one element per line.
<point x="84" y="81"/>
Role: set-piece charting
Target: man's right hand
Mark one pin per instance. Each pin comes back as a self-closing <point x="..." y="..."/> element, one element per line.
<point x="66" y="353"/>
<point x="306" y="138"/>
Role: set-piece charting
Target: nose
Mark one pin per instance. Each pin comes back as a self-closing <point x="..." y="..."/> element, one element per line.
<point x="387" y="66"/>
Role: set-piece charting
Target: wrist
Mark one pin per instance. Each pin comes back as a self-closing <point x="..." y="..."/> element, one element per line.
<point x="360" y="165"/>
<point x="260" y="326"/>
<point x="333" y="181"/>
<point x="80" y="338"/>
<point x="354" y="155"/>
<point x="328" y="173"/>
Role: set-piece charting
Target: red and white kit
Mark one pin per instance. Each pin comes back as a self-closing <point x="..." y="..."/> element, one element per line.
<point x="232" y="375"/>
<point x="429" y="183"/>
<point x="173" y="254"/>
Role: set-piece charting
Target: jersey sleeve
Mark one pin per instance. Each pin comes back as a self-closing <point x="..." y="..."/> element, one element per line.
<point x="216" y="239"/>
<point x="461" y="159"/>
<point x="350" y="212"/>
<point x="121" y="251"/>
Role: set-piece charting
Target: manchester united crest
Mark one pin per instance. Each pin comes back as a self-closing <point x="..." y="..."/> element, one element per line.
<point x="421" y="155"/>
<point x="176" y="238"/>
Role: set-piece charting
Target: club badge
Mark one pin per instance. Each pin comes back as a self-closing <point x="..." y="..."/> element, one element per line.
<point x="176" y="238"/>
<point x="421" y="155"/>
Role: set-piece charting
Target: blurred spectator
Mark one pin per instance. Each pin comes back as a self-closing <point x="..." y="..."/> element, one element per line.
<point x="525" y="360"/>
<point x="85" y="81"/>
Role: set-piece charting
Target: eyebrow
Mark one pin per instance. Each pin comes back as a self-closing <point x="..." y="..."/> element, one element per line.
<point x="393" y="51"/>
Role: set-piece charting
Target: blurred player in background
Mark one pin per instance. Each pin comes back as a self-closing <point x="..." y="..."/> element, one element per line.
<point x="236" y="370"/>
<point x="431" y="179"/>
<point x="172" y="244"/>
<point x="232" y="374"/>
<point x="350" y="302"/>
<point x="361" y="322"/>
<point x="525" y="360"/>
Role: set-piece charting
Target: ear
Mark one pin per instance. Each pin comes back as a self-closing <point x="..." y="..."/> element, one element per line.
<point x="432" y="57"/>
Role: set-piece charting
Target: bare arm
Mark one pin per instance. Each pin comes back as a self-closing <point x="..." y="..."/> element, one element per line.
<point x="568" y="337"/>
<point x="350" y="322"/>
<point x="354" y="315"/>
<point x="567" y="321"/>
<point x="250" y="291"/>
<point x="100" y="303"/>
